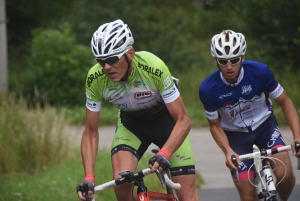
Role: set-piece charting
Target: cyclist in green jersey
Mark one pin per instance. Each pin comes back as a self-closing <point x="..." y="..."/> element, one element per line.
<point x="151" y="110"/>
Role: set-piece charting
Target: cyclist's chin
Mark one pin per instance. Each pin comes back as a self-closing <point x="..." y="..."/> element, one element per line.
<point x="115" y="77"/>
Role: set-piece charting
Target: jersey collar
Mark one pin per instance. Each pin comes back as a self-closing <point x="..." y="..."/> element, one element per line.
<point x="238" y="81"/>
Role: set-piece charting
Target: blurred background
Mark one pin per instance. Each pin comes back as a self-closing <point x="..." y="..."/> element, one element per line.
<point x="45" y="56"/>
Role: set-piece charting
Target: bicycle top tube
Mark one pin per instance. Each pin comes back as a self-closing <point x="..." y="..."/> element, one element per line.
<point x="129" y="177"/>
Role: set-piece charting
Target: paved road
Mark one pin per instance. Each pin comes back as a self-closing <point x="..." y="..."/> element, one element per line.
<point x="209" y="162"/>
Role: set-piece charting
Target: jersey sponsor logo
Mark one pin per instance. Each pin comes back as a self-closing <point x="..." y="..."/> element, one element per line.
<point x="274" y="137"/>
<point x="94" y="76"/>
<point x="136" y="84"/>
<point x="181" y="158"/>
<point x="236" y="111"/>
<point x="112" y="88"/>
<point x="114" y="98"/>
<point x="119" y="139"/>
<point x="243" y="166"/>
<point x="143" y="94"/>
<point x="167" y="82"/>
<point x="150" y="69"/>
<point x="211" y="115"/>
<point x="88" y="94"/>
<point x="147" y="101"/>
<point x="176" y="171"/>
<point x="225" y="95"/>
<point x="246" y="89"/>
<point x="121" y="105"/>
<point x="277" y="91"/>
<point x="231" y="102"/>
<point x="169" y="93"/>
<point x="91" y="105"/>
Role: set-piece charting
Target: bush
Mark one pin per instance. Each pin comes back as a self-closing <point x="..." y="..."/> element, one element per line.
<point x="57" y="68"/>
<point x="30" y="140"/>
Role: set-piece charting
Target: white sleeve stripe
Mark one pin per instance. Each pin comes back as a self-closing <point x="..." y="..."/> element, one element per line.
<point x="211" y="115"/>
<point x="93" y="106"/>
<point x="277" y="91"/>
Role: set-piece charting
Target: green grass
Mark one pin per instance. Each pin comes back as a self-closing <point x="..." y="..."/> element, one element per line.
<point x="58" y="182"/>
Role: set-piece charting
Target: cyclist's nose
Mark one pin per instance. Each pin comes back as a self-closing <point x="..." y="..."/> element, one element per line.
<point x="229" y="65"/>
<point x="106" y="66"/>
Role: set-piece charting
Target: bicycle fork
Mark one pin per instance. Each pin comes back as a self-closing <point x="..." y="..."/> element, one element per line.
<point x="270" y="190"/>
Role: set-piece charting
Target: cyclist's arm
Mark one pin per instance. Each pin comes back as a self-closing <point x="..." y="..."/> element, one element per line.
<point x="182" y="126"/>
<point x="89" y="141"/>
<point x="291" y="116"/>
<point x="222" y="141"/>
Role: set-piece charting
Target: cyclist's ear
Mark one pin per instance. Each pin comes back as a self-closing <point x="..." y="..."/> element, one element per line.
<point x="243" y="58"/>
<point x="130" y="54"/>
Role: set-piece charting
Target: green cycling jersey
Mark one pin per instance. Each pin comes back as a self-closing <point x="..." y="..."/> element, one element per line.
<point x="149" y="86"/>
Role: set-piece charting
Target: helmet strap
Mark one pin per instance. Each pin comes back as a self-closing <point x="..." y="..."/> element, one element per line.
<point x="125" y="78"/>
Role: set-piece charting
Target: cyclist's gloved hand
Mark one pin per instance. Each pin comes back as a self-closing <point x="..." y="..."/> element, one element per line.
<point x="162" y="158"/>
<point x="86" y="188"/>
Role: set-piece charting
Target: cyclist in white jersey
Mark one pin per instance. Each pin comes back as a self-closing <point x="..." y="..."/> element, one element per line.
<point x="151" y="110"/>
<point x="239" y="110"/>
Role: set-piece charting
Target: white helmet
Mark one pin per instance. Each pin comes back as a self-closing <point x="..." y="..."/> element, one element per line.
<point x="228" y="44"/>
<point x="111" y="39"/>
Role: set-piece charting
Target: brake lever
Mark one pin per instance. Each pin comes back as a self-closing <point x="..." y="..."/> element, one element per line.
<point x="161" y="178"/>
<point x="235" y="172"/>
<point x="297" y="148"/>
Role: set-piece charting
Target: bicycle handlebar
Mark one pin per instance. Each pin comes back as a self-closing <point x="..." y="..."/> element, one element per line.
<point x="133" y="176"/>
<point x="258" y="154"/>
<point x="273" y="151"/>
<point x="269" y="152"/>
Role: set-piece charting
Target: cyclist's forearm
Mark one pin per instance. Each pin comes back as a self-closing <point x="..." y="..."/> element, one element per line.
<point x="291" y="116"/>
<point x="220" y="138"/>
<point x="89" y="150"/>
<point x="178" y="135"/>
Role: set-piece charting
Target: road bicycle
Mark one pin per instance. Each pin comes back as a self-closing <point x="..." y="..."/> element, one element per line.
<point x="136" y="178"/>
<point x="264" y="182"/>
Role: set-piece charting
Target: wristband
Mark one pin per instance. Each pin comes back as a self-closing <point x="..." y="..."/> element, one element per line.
<point x="165" y="152"/>
<point x="90" y="177"/>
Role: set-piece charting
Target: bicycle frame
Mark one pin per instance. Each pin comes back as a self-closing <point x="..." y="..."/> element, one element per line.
<point x="143" y="193"/>
<point x="269" y="192"/>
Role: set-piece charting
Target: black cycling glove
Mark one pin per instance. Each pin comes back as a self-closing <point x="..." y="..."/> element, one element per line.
<point x="161" y="160"/>
<point x="85" y="186"/>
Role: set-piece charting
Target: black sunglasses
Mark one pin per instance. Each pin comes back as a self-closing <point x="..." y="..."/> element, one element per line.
<point x="111" y="60"/>
<point x="233" y="61"/>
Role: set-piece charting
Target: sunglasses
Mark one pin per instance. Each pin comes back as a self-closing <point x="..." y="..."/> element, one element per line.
<point x="233" y="61"/>
<point x="111" y="60"/>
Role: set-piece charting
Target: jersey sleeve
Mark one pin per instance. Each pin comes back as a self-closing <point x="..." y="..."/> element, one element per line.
<point x="271" y="85"/>
<point x="93" y="95"/>
<point x="211" y="110"/>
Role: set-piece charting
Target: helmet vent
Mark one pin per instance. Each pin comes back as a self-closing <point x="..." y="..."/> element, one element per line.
<point x="112" y="36"/>
<point x="120" y="43"/>
<point x="219" y="53"/>
<point x="107" y="49"/>
<point x="236" y="51"/>
<point x="227" y="49"/>
<point x="220" y="42"/>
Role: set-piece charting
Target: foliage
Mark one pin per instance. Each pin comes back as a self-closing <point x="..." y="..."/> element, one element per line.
<point x="177" y="31"/>
<point x="56" y="68"/>
<point x="31" y="139"/>
<point x="278" y="29"/>
<point x="26" y="15"/>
